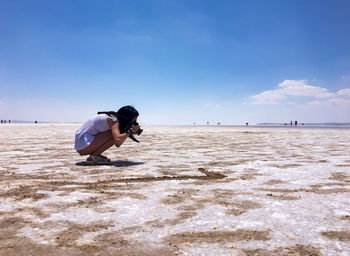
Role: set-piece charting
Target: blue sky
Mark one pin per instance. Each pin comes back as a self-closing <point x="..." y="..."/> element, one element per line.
<point x="177" y="62"/>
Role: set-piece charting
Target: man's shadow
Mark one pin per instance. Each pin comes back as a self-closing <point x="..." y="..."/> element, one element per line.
<point x="119" y="163"/>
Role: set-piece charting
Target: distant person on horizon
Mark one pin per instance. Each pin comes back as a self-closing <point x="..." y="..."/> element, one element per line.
<point x="103" y="131"/>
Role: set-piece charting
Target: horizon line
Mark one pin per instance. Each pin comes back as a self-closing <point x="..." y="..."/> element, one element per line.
<point x="329" y="123"/>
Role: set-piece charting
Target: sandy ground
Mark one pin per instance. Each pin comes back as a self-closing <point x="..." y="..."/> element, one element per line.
<point x="181" y="191"/>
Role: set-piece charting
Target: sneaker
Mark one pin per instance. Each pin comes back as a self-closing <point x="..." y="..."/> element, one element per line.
<point x="98" y="160"/>
<point x="105" y="158"/>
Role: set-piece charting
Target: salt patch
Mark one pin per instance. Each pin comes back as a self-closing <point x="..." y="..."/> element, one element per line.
<point x="80" y="216"/>
<point x="7" y="205"/>
<point x="277" y="215"/>
<point x="28" y="168"/>
<point x="340" y="212"/>
<point x="13" y="153"/>
<point x="34" y="234"/>
<point x="89" y="237"/>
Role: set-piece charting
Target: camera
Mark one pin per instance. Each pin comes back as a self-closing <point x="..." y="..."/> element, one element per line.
<point x="139" y="131"/>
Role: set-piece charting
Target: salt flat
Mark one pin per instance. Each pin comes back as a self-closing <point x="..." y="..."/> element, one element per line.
<point x="181" y="191"/>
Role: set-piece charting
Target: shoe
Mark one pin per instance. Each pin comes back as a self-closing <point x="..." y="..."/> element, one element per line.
<point x="98" y="160"/>
<point x="105" y="158"/>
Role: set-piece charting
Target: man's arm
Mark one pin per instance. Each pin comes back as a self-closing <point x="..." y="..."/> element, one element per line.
<point x="119" y="138"/>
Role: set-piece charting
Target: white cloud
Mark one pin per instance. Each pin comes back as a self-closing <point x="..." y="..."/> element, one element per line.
<point x="338" y="101"/>
<point x="325" y="95"/>
<point x="344" y="92"/>
<point x="316" y="103"/>
<point x="296" y="88"/>
<point x="300" y="88"/>
<point x="332" y="102"/>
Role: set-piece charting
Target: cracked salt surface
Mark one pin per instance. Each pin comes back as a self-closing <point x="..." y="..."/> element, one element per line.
<point x="283" y="187"/>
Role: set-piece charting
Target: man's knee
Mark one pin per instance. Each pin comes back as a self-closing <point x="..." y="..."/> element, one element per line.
<point x="82" y="152"/>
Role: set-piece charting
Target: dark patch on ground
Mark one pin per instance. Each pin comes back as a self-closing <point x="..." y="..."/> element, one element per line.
<point x="345" y="217"/>
<point x="273" y="182"/>
<point x="179" y="218"/>
<point x="240" y="207"/>
<point x="340" y="176"/>
<point x="219" y="236"/>
<point x="312" y="190"/>
<point x="285" y="166"/>
<point x="296" y="250"/>
<point x="282" y="197"/>
<point x="342" y="235"/>
<point x="220" y="197"/>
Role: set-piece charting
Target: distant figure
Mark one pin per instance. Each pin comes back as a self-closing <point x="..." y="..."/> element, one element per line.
<point x="104" y="130"/>
<point x="2" y="121"/>
<point x="36" y="121"/>
<point x="291" y="123"/>
<point x="194" y="123"/>
<point x="246" y="124"/>
<point x="285" y="123"/>
<point x="9" y="121"/>
<point x="296" y="123"/>
<point x="302" y="123"/>
<point x="218" y="123"/>
<point x="207" y="122"/>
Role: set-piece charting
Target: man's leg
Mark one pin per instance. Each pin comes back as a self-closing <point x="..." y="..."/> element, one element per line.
<point x="104" y="147"/>
<point x="101" y="143"/>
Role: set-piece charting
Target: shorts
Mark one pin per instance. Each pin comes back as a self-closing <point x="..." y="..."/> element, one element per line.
<point x="83" y="140"/>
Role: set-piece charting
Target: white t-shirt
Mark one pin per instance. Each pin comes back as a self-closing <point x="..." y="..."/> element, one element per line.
<point x="86" y="134"/>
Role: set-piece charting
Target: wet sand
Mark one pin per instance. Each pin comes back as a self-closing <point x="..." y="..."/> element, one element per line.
<point x="181" y="191"/>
